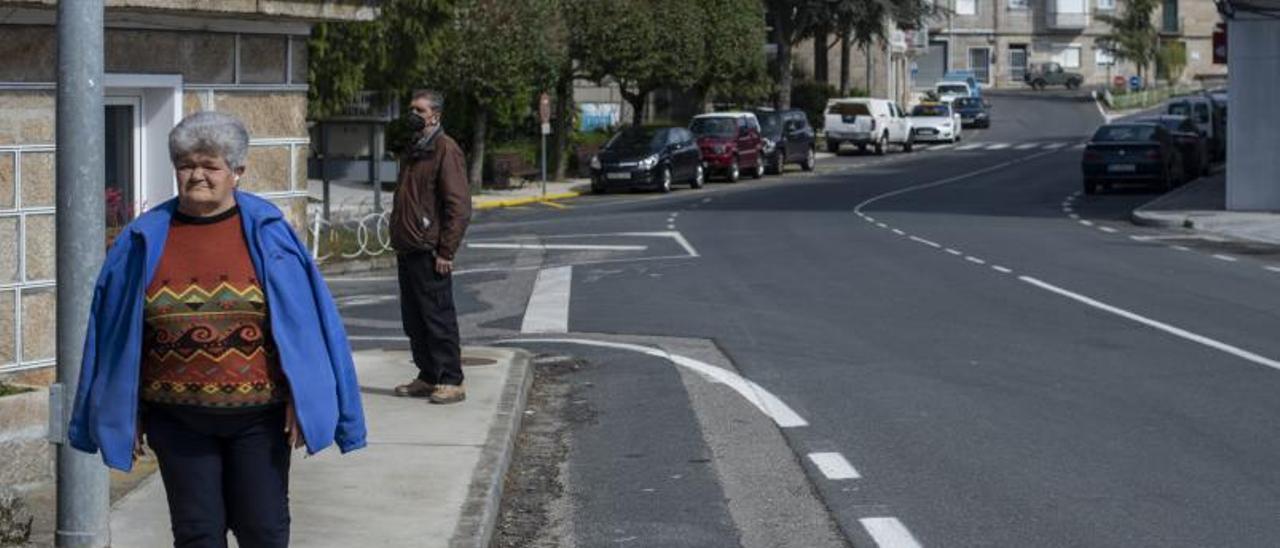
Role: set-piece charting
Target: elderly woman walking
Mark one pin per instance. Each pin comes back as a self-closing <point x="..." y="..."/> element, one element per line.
<point x="212" y="332"/>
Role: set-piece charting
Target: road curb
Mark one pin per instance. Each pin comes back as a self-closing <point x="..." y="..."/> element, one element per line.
<point x="1144" y="216"/>
<point x="513" y="202"/>
<point x="484" y="496"/>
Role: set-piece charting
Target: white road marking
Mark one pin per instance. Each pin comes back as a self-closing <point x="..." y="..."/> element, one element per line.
<point x="954" y="252"/>
<point x="1054" y="146"/>
<point x="998" y="146"/>
<point x="834" y="466"/>
<point x="558" y="247"/>
<point x="372" y="323"/>
<point x="671" y="227"/>
<point x="975" y="260"/>
<point x="676" y="214"/>
<point x="1156" y="324"/>
<point x="1025" y="146"/>
<point x="1205" y="237"/>
<point x="378" y="338"/>
<point x="971" y="146"/>
<point x="1273" y="268"/>
<point x="889" y="533"/>
<point x="364" y="300"/>
<point x="934" y="245"/>
<point x="1001" y="269"/>
<point x="1180" y="247"/>
<point x="762" y="399"/>
<point x="548" y="308"/>
<point x="1108" y="229"/>
<point x="1079" y="146"/>
<point x="1227" y="258"/>
<point x="677" y="236"/>
<point x="1086" y="223"/>
<point x="899" y="232"/>
<point x="706" y="200"/>
<point x="882" y="225"/>
<point x="1074" y="216"/>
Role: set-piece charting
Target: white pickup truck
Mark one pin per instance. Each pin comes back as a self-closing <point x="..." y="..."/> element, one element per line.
<point x="867" y="122"/>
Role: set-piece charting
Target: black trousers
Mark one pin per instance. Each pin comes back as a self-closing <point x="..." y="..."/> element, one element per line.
<point x="430" y="319"/>
<point x="223" y="471"/>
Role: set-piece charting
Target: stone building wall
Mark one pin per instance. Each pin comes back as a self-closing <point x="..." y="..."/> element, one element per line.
<point x="259" y="77"/>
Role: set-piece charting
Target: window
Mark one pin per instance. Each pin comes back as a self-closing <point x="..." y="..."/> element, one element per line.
<point x="1106" y="5"/>
<point x="1068" y="57"/>
<point x="966" y="7"/>
<point x="1102" y="57"/>
<point x="1019" y="4"/>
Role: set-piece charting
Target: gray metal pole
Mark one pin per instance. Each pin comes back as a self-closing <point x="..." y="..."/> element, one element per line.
<point x="83" y="496"/>
<point x="324" y="168"/>
<point x="375" y="163"/>
<point x="544" y="165"/>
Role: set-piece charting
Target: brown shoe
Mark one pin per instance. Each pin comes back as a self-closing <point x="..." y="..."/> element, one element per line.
<point x="417" y="388"/>
<point x="448" y="393"/>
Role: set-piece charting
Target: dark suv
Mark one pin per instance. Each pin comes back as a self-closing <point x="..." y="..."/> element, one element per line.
<point x="788" y="139"/>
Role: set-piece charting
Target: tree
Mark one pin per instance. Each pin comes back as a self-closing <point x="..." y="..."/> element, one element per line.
<point x="496" y="55"/>
<point x="791" y="21"/>
<point x="386" y="55"/>
<point x="1133" y="37"/>
<point x="642" y="45"/>
<point x="734" y="37"/>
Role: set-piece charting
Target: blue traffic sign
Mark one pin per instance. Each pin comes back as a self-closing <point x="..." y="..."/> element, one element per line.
<point x="1135" y="83"/>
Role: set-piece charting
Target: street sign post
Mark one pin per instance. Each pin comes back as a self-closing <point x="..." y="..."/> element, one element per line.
<point x="544" y="117"/>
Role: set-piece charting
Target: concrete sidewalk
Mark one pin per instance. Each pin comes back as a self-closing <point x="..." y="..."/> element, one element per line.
<point x="1201" y="205"/>
<point x="431" y="475"/>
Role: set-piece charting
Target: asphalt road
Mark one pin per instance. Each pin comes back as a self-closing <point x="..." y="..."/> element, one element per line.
<point x="999" y="360"/>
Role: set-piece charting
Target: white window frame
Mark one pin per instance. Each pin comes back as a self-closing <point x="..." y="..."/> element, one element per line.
<point x="132" y="98"/>
<point x="1059" y="55"/>
<point x="1019" y="4"/>
<point x="160" y="106"/>
<point x="970" y="7"/>
<point x="1105" y="5"/>
<point x="1103" y="58"/>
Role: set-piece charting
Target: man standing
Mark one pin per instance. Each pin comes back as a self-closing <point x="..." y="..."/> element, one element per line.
<point x="429" y="216"/>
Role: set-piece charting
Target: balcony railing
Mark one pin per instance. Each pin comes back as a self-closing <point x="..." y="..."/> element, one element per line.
<point x="1066" y="20"/>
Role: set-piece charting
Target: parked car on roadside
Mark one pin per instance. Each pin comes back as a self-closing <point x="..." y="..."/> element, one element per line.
<point x="950" y="91"/>
<point x="966" y="76"/>
<point x="1042" y="75"/>
<point x="973" y="111"/>
<point x="935" y="122"/>
<point x="1193" y="146"/>
<point x="650" y="158"/>
<point x="1131" y="152"/>
<point x="730" y="143"/>
<point x="1207" y="117"/>
<point x="788" y="139"/>
<point x="867" y="122"/>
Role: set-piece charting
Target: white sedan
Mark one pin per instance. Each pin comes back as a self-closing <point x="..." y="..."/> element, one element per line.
<point x="935" y="122"/>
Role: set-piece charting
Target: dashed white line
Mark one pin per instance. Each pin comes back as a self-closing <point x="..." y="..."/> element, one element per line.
<point x="1001" y="269"/>
<point x="1227" y="258"/>
<point x="971" y="146"/>
<point x="1074" y="216"/>
<point x="932" y="244"/>
<point x="834" y="466"/>
<point x="889" y="533"/>
<point x="998" y="146"/>
<point x="1273" y="268"/>
<point x="1025" y="146"/>
<point x="1055" y="146"/>
<point x="1170" y="329"/>
<point x="563" y="247"/>
<point x="975" y="260"/>
<point x="899" y="232"/>
<point x="1079" y="146"/>
<point x="954" y="252"/>
<point x="882" y="225"/>
<point x="671" y="226"/>
<point x="1108" y="229"/>
<point x="1180" y="247"/>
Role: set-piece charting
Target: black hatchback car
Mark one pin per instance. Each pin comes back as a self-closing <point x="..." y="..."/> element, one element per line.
<point x="973" y="111"/>
<point x="788" y="139"/>
<point x="650" y="158"/>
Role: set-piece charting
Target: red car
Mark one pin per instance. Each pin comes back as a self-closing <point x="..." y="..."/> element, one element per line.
<point x="730" y="143"/>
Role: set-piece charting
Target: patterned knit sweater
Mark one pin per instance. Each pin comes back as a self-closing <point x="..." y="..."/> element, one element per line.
<point x="206" y="339"/>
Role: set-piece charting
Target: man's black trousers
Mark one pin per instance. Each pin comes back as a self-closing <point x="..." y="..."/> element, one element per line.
<point x="430" y="319"/>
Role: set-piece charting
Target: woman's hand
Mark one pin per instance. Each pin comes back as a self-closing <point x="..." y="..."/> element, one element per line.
<point x="291" y="429"/>
<point x="139" y="447"/>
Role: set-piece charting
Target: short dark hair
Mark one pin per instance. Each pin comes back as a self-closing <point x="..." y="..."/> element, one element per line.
<point x="434" y="98"/>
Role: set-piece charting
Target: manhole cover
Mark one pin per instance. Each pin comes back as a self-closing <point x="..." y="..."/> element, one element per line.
<point x="467" y="361"/>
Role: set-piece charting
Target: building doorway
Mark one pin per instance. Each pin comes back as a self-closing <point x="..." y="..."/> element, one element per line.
<point x="980" y="64"/>
<point x="123" y="161"/>
<point x="1017" y="62"/>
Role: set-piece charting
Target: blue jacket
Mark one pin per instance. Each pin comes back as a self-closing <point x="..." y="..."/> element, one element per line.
<point x="310" y="340"/>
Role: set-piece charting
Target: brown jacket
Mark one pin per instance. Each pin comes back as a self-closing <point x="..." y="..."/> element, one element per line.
<point x="432" y="205"/>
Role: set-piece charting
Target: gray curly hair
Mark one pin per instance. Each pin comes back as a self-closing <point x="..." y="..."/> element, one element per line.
<point x="212" y="133"/>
